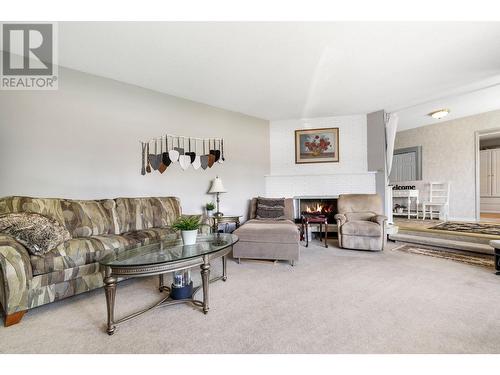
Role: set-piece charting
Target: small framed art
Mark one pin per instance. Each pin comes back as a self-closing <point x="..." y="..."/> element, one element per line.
<point x="317" y="145"/>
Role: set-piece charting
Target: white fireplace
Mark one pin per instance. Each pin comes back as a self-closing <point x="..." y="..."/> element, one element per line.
<point x="315" y="205"/>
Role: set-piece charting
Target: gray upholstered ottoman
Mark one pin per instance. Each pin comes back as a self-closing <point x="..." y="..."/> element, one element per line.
<point x="268" y="239"/>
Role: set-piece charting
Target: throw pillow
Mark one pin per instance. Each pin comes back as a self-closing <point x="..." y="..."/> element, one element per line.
<point x="270" y="208"/>
<point x="38" y="233"/>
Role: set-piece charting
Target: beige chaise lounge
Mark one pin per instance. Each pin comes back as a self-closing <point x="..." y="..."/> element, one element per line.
<point x="360" y="222"/>
<point x="268" y="239"/>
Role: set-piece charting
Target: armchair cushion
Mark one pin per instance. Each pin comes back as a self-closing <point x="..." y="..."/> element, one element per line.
<point x="355" y="216"/>
<point x="379" y="219"/>
<point x="361" y="228"/>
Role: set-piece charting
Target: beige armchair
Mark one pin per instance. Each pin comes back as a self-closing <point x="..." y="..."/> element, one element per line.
<point x="360" y="222"/>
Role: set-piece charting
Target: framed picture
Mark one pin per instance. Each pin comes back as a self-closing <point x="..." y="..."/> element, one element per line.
<point x="317" y="145"/>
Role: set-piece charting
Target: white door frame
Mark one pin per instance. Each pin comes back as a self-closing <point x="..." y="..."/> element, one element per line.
<point x="477" y="135"/>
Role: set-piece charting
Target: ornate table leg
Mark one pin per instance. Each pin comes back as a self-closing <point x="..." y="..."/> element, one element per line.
<point x="161" y="286"/>
<point x="497" y="261"/>
<point x="205" y="279"/>
<point x="326" y="233"/>
<point x="224" y="268"/>
<point x="306" y="223"/>
<point x="110" y="290"/>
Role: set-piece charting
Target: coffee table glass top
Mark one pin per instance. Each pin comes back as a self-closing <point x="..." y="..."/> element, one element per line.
<point x="169" y="251"/>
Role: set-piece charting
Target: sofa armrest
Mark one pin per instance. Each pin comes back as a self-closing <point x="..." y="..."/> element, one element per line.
<point x="15" y="275"/>
<point x="341" y="219"/>
<point x="379" y="219"/>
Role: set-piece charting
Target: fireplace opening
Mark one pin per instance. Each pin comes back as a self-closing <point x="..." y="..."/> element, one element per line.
<point x="316" y="206"/>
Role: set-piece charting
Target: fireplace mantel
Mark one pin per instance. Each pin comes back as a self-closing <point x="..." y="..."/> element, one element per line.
<point x="327" y="185"/>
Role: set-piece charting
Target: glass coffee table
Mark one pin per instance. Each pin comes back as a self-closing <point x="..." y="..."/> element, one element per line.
<point x="164" y="257"/>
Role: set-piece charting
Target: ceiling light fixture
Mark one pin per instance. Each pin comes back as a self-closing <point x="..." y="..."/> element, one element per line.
<point x="440" y="113"/>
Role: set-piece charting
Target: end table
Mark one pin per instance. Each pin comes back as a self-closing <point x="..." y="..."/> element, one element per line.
<point x="225" y="219"/>
<point x="314" y="219"/>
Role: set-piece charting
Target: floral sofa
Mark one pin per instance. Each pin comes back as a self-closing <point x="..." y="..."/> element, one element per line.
<point x="97" y="227"/>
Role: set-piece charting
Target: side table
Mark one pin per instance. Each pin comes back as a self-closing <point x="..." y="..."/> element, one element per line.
<point x="315" y="219"/>
<point x="226" y="219"/>
<point x="496" y="245"/>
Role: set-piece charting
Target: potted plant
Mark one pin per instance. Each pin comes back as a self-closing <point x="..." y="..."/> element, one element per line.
<point x="188" y="225"/>
<point x="210" y="207"/>
<point x="399" y="208"/>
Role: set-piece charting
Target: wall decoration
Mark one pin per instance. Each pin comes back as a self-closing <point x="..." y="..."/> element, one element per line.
<point x="182" y="151"/>
<point x="317" y="145"/>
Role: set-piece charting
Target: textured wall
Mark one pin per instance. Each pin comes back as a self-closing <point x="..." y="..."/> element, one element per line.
<point x="82" y="141"/>
<point x="448" y="154"/>
<point x="348" y="175"/>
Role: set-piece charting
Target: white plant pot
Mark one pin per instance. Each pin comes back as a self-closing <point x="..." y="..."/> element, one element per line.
<point x="210" y="213"/>
<point x="189" y="236"/>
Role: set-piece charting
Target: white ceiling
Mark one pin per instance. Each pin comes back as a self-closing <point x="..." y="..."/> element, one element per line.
<point x="483" y="96"/>
<point x="292" y="70"/>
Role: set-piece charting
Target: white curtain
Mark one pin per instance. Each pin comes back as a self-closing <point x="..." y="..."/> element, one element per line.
<point x="391" y="128"/>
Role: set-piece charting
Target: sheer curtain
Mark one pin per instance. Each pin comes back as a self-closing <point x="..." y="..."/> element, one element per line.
<point x="391" y="127"/>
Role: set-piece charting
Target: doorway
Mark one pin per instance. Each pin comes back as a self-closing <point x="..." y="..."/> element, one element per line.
<point x="488" y="176"/>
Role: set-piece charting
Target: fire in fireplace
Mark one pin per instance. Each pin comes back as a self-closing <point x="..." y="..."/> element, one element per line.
<point x="316" y="206"/>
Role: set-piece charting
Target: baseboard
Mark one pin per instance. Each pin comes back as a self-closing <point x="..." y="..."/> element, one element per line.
<point x="462" y="219"/>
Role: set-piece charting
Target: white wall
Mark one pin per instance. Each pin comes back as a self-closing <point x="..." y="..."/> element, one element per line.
<point x="82" y="141"/>
<point x="349" y="175"/>
<point x="448" y="154"/>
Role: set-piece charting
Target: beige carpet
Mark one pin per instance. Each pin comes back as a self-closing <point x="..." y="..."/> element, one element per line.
<point x="332" y="301"/>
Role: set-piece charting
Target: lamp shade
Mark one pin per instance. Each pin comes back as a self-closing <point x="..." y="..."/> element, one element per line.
<point x="217" y="186"/>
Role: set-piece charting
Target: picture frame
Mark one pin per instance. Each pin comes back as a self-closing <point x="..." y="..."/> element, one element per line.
<point x="317" y="145"/>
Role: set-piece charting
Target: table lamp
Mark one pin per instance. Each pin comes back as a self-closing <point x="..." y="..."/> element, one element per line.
<point x="217" y="188"/>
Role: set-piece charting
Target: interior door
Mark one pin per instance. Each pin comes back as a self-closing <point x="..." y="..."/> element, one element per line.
<point x="495" y="172"/>
<point x="484" y="173"/>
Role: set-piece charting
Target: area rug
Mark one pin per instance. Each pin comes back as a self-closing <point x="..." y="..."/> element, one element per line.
<point x="478" y="228"/>
<point x="475" y="260"/>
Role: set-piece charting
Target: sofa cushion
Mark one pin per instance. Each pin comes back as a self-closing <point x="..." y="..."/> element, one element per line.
<point x="166" y="210"/>
<point x="38" y="233"/>
<point x="80" y="251"/>
<point x="57" y="277"/>
<point x="150" y="235"/>
<point x="144" y="213"/>
<point x="361" y="228"/>
<point x="134" y="214"/>
<point x="85" y="218"/>
<point x="49" y="207"/>
<point x="270" y="231"/>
